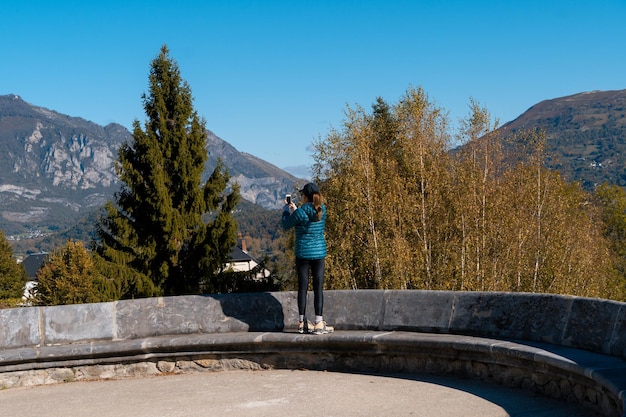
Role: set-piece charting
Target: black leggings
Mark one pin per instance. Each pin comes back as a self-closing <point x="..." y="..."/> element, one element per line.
<point x="317" y="273"/>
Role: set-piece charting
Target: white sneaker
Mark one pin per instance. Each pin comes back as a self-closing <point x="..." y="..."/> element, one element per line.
<point x="322" y="328"/>
<point x="304" y="327"/>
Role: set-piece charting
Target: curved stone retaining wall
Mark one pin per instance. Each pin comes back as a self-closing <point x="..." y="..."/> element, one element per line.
<point x="565" y="347"/>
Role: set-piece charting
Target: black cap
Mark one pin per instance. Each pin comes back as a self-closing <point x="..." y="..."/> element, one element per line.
<point x="310" y="189"/>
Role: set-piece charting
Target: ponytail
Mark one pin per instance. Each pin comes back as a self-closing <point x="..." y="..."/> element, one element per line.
<point x="317" y="203"/>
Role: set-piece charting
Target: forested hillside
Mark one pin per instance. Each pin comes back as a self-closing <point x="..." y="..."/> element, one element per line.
<point x="585" y="135"/>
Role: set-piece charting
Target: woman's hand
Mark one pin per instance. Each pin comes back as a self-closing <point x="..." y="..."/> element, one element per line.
<point x="292" y="206"/>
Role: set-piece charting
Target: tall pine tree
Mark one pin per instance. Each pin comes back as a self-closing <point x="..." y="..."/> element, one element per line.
<point x="166" y="224"/>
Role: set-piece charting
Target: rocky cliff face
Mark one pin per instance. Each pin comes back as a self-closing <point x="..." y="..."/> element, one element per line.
<point x="55" y="167"/>
<point x="78" y="161"/>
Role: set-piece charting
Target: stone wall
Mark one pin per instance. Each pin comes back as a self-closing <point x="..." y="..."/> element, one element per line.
<point x="564" y="347"/>
<point x="590" y="324"/>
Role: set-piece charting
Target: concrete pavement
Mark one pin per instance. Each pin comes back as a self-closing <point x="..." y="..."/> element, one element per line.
<point x="274" y="393"/>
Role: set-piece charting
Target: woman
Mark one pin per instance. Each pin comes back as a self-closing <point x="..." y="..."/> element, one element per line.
<point x="309" y="221"/>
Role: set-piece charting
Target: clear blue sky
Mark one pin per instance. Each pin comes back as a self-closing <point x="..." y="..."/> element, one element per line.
<point x="269" y="77"/>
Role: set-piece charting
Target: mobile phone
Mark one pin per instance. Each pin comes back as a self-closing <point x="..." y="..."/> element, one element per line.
<point x="288" y="198"/>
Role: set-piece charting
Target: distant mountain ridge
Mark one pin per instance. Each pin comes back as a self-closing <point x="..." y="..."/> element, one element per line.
<point x="56" y="167"/>
<point x="586" y="135"/>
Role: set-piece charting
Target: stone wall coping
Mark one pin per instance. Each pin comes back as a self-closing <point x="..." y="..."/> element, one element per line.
<point x="567" y="363"/>
<point x="370" y="342"/>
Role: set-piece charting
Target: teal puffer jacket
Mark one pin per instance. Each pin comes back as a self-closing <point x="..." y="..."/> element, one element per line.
<point x="310" y="240"/>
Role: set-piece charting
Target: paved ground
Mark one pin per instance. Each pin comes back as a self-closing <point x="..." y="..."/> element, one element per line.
<point x="280" y="393"/>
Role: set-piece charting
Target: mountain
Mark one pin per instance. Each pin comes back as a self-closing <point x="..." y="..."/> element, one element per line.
<point x="585" y="132"/>
<point x="57" y="168"/>
<point x="260" y="182"/>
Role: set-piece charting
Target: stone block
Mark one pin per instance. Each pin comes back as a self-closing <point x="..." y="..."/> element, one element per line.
<point x="352" y="309"/>
<point x="423" y="311"/>
<point x="258" y="312"/>
<point x="19" y="327"/>
<point x="617" y="344"/>
<point x="289" y="303"/>
<point x="18" y="355"/>
<point x="77" y="323"/>
<point x="61" y="375"/>
<point x="166" y="366"/>
<point x="198" y="314"/>
<point x="534" y="317"/>
<point x="591" y="324"/>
